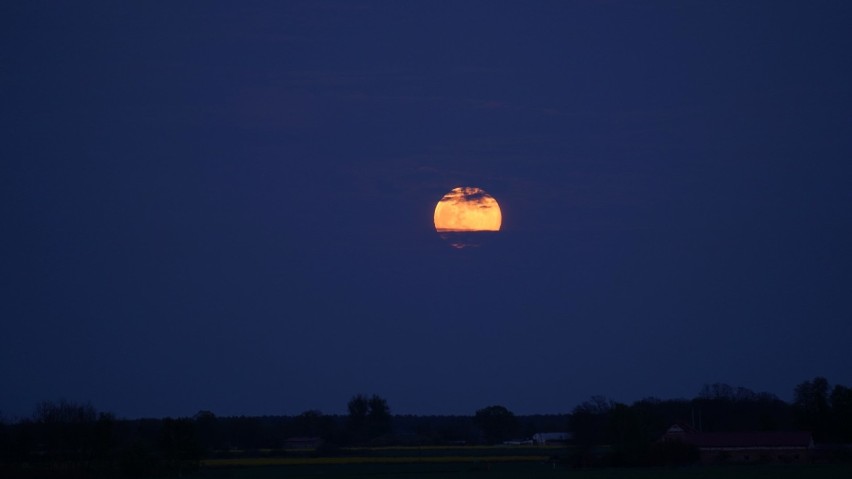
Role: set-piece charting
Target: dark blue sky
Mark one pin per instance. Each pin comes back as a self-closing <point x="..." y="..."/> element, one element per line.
<point x="228" y="205"/>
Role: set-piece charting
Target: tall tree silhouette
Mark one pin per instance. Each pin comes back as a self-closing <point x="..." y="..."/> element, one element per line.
<point x="368" y="417"/>
<point x="811" y="406"/>
<point x="841" y="413"/>
<point x="496" y="423"/>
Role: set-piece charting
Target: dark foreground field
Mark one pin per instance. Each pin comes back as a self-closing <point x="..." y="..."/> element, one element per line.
<point x="523" y="471"/>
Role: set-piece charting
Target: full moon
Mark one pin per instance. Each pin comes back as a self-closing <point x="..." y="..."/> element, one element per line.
<point x="466" y="209"/>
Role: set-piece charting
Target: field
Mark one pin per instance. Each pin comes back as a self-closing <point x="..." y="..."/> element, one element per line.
<point x="522" y="471"/>
<point x="396" y="455"/>
<point x="484" y="462"/>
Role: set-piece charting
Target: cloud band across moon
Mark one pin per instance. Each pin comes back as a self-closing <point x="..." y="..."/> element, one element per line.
<point x="466" y="209"/>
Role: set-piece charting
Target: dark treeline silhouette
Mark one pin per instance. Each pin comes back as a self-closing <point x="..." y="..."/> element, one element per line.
<point x="65" y="439"/>
<point x="632" y="432"/>
<point x="496" y="423"/>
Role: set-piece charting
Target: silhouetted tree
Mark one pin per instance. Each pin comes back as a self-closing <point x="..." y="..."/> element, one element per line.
<point x="105" y="438"/>
<point x="454" y="429"/>
<point x="716" y="391"/>
<point x="65" y="430"/>
<point x="589" y="419"/>
<point x="379" y="417"/>
<point x="841" y="413"/>
<point x="368" y="417"/>
<point x="496" y="423"/>
<point x="246" y="432"/>
<point x="356" y="422"/>
<point x="627" y="432"/>
<point x="624" y="425"/>
<point x="313" y="423"/>
<point x="811" y="406"/>
<point x="22" y="442"/>
<point x="657" y="415"/>
<point x="207" y="426"/>
<point x="179" y="445"/>
<point x="138" y="459"/>
<point x="720" y="407"/>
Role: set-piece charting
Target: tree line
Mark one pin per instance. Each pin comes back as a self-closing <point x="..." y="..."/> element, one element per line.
<point x="632" y="431"/>
<point x="65" y="437"/>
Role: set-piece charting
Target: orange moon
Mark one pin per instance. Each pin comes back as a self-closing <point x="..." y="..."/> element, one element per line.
<point x="467" y="208"/>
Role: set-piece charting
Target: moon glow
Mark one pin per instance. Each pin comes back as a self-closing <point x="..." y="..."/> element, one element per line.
<point x="467" y="209"/>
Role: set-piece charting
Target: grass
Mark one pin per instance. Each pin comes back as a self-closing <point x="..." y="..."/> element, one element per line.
<point x="386" y="455"/>
<point x="523" y="470"/>
<point x="317" y="461"/>
<point x="491" y="462"/>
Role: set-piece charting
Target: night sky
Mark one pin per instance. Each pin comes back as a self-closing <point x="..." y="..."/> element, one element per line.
<point x="228" y="205"/>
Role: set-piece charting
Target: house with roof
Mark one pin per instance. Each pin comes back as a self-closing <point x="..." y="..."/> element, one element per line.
<point x="551" y="438"/>
<point x="745" y="447"/>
